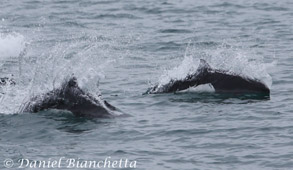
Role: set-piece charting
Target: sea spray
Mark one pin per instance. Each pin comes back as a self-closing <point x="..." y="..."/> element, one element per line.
<point x="222" y="56"/>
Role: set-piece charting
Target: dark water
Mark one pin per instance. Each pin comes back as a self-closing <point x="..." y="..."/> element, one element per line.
<point x="127" y="44"/>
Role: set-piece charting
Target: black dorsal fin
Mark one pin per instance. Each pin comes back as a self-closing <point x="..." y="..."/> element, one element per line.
<point x="203" y="64"/>
<point x="72" y="82"/>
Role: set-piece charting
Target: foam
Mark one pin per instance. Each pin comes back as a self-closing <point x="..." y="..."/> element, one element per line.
<point x="11" y="45"/>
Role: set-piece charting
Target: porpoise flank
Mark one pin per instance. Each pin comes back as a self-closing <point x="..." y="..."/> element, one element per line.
<point x="221" y="80"/>
<point x="72" y="98"/>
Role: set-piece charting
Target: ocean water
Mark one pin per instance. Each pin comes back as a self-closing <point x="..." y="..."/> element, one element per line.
<point x="121" y="48"/>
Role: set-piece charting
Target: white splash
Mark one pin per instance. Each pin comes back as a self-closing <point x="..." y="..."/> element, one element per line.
<point x="187" y="66"/>
<point x="11" y="45"/>
<point x="234" y="60"/>
<point x="239" y="61"/>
